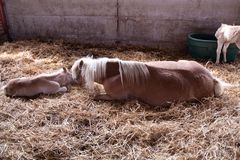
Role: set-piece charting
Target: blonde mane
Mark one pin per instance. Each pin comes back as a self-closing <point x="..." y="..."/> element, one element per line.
<point x="95" y="69"/>
<point x="134" y="72"/>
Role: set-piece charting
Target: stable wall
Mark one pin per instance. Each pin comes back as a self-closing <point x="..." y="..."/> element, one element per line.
<point x="154" y="23"/>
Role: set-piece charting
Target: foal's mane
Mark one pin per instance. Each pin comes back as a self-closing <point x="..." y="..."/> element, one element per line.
<point x="132" y="72"/>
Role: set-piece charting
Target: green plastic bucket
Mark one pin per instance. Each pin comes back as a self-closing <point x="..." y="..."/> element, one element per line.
<point x="204" y="46"/>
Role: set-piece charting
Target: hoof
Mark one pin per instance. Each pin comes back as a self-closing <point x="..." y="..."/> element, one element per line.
<point x="62" y="89"/>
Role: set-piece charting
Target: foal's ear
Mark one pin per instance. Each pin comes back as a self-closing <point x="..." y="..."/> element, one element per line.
<point x="80" y="64"/>
<point x="65" y="69"/>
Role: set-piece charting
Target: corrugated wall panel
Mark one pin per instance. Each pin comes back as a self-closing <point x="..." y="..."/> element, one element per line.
<point x="3" y="22"/>
<point x="157" y="23"/>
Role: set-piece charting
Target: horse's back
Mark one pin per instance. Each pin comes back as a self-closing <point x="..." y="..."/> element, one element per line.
<point x="183" y="70"/>
<point x="178" y="66"/>
<point x="182" y="80"/>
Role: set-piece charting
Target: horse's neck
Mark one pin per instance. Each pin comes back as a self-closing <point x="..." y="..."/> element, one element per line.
<point x="130" y="71"/>
<point x="112" y="69"/>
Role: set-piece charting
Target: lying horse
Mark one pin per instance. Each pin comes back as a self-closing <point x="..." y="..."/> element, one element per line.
<point x="43" y="83"/>
<point x="155" y="83"/>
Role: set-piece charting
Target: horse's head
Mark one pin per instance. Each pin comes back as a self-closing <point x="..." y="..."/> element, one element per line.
<point x="88" y="70"/>
<point x="76" y="71"/>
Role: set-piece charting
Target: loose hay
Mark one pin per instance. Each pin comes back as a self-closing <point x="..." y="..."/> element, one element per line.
<point x="72" y="126"/>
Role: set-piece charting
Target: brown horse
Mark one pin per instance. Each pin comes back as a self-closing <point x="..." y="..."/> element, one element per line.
<point x="154" y="82"/>
<point x="43" y="83"/>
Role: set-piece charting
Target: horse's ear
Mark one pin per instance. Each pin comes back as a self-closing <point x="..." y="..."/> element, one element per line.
<point x="80" y="64"/>
<point x="65" y="69"/>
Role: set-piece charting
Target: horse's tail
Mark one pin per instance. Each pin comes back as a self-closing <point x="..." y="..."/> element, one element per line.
<point x="220" y="85"/>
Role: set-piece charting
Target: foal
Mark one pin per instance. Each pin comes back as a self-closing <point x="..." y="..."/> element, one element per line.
<point x="43" y="83"/>
<point x="154" y="83"/>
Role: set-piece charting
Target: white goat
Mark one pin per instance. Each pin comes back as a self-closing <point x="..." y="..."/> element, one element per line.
<point x="226" y="34"/>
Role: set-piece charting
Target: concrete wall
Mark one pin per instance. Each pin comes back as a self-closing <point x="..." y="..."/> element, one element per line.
<point x="155" y="23"/>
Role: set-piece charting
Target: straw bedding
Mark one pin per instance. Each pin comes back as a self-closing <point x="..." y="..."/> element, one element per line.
<point x="73" y="126"/>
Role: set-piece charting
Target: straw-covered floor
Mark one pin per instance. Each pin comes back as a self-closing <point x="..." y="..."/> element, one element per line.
<point x="73" y="126"/>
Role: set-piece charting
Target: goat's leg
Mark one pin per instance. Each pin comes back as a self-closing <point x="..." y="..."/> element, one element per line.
<point x="225" y="46"/>
<point x="238" y="43"/>
<point x="219" y="49"/>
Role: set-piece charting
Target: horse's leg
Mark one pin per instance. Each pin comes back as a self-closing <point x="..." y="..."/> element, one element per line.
<point x="98" y="88"/>
<point x="219" y="49"/>
<point x="105" y="97"/>
<point x="62" y="89"/>
<point x="114" y="90"/>
<point x="52" y="87"/>
<point x="225" y="51"/>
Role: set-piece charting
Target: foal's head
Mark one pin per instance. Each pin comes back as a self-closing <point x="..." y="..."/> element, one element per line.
<point x="65" y="77"/>
<point x="76" y="71"/>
